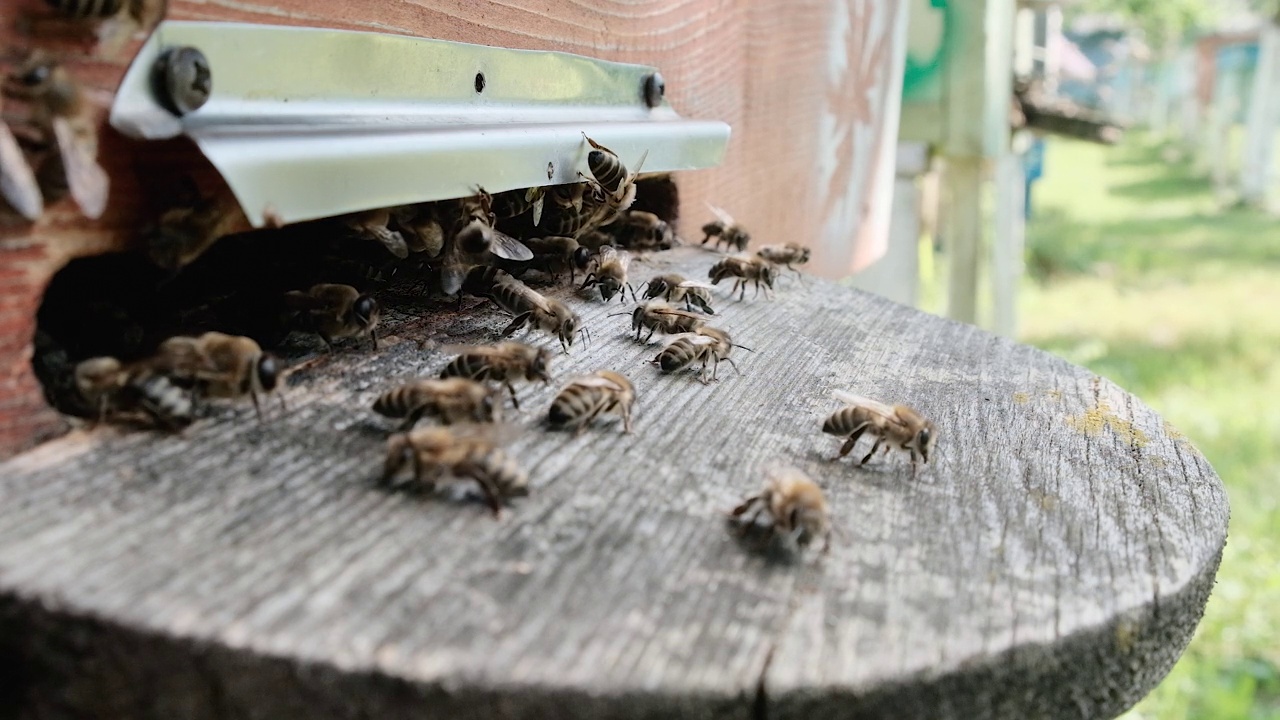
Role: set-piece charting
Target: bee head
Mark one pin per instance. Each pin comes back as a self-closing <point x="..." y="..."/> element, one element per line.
<point x="540" y="366"/>
<point x="367" y="311"/>
<point x="766" y="274"/>
<point x="609" y="287"/>
<point x="475" y="238"/>
<point x="657" y="286"/>
<point x="924" y="441"/>
<point x="804" y="255"/>
<point x="268" y="372"/>
<point x="581" y="257"/>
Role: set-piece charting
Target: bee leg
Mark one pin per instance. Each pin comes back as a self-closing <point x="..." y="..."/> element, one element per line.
<point x="874" y="448"/>
<point x="633" y="294"/>
<point x="626" y="420"/>
<point x="512" y="390"/>
<point x="373" y="336"/>
<point x="587" y="281"/>
<point x="412" y="419"/>
<point x="826" y="542"/>
<point x="847" y="447"/>
<point x="517" y="323"/>
<point x="744" y="506"/>
<point x="647" y="337"/>
<point x="257" y="407"/>
<point x="328" y="341"/>
<point x="491" y="496"/>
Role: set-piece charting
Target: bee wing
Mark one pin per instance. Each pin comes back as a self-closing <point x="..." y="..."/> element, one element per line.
<point x="534" y="297"/>
<point x="87" y="181"/>
<point x="874" y="406"/>
<point x="639" y="164"/>
<point x="298" y="300"/>
<point x="695" y="284"/>
<point x="596" y="381"/>
<point x="668" y="310"/>
<point x="723" y="216"/>
<point x="17" y="180"/>
<point x="486" y="350"/>
<point x="624" y="259"/>
<point x="509" y="248"/>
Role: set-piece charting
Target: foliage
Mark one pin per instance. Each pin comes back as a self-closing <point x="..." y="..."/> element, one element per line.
<point x="1158" y="288"/>
<point x="1162" y="21"/>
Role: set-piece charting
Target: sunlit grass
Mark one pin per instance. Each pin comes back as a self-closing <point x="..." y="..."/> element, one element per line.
<point x="1143" y="277"/>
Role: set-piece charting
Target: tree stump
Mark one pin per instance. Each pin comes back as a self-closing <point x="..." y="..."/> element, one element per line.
<point x="1052" y="560"/>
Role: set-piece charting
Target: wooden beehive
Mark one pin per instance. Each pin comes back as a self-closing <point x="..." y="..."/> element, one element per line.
<point x="807" y="87"/>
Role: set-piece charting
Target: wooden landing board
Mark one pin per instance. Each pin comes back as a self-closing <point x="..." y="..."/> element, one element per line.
<point x="1052" y="561"/>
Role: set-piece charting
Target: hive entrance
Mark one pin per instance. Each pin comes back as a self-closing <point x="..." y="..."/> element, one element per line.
<point x="123" y="305"/>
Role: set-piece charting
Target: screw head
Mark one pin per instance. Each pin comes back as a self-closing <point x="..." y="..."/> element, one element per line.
<point x="654" y="89"/>
<point x="182" y="80"/>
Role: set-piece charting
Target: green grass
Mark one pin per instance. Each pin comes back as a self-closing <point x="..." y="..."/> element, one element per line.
<point x="1140" y="274"/>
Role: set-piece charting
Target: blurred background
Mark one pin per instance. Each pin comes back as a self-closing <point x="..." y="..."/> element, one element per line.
<point x="1120" y="209"/>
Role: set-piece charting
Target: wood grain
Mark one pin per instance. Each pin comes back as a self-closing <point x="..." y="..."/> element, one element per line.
<point x="1052" y="561"/>
<point x="763" y="66"/>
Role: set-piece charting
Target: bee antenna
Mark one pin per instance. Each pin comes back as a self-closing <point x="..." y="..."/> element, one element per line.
<point x="617" y="314"/>
<point x="741" y="347"/>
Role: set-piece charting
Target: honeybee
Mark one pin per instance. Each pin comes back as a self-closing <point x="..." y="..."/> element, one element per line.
<point x="18" y="185"/>
<point x="450" y="400"/>
<point x="787" y="254"/>
<point x="527" y="305"/>
<point x="474" y="240"/>
<point x="642" y="230"/>
<point x="584" y="398"/>
<point x="440" y="454"/>
<point x="218" y="366"/>
<point x="504" y="362"/>
<point x="118" y="19"/>
<point x="335" y="312"/>
<point x="744" y="269"/>
<point x="706" y="345"/>
<point x="675" y="288"/>
<point x="795" y="505"/>
<point x="611" y="181"/>
<point x="896" y="425"/>
<point x="184" y="233"/>
<point x="560" y="250"/>
<point x="114" y="390"/>
<point x="515" y="203"/>
<point x="373" y="225"/>
<point x="657" y="316"/>
<point x="609" y="273"/>
<point x="420" y="228"/>
<point x="569" y="210"/>
<point x="725" y="231"/>
<point x="66" y="121"/>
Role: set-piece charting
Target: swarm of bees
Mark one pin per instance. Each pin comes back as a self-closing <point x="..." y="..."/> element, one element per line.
<point x="464" y="248"/>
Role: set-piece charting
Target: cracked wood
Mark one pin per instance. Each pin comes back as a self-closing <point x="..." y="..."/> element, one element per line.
<point x="1052" y="561"/>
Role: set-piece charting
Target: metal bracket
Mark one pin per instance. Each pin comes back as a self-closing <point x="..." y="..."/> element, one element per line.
<point x="305" y="123"/>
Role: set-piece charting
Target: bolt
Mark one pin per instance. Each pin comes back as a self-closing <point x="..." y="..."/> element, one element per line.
<point x="654" y="88"/>
<point x="182" y="80"/>
<point x="551" y="170"/>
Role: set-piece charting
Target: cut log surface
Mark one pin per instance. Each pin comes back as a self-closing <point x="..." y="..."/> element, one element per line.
<point x="1051" y="561"/>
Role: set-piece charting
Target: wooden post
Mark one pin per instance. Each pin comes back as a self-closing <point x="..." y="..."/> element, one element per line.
<point x="1006" y="250"/>
<point x="963" y="179"/>
<point x="896" y="275"/>
<point x="1256" y="164"/>
<point x="977" y="128"/>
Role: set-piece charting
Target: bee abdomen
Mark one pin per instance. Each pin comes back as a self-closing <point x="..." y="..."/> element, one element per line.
<point x="467" y="366"/>
<point x="163" y="400"/>
<point x="86" y="8"/>
<point x="397" y="403"/>
<point x="501" y="470"/>
<point x="606" y="169"/>
<point x="841" y="422"/>
<point x="676" y="356"/>
<point x="572" y="404"/>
